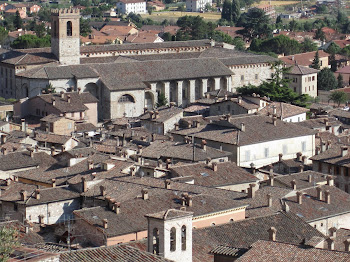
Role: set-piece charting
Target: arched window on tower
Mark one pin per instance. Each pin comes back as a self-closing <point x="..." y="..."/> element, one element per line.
<point x="173" y="239"/>
<point x="183" y="237"/>
<point x="69" y="28"/>
<point x="156" y="241"/>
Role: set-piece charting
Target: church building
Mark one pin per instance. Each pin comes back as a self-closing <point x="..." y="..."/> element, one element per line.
<point x="127" y="78"/>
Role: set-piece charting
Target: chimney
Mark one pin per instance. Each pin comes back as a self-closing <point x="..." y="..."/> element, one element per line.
<point x="168" y="163"/>
<point x="309" y="178"/>
<point x="124" y="140"/>
<point x="271" y="179"/>
<point x="189" y="200"/>
<point x="23" y="195"/>
<point x="329" y="142"/>
<point x="239" y="100"/>
<point x="242" y="127"/>
<point x="183" y="201"/>
<point x="304" y="159"/>
<point x="300" y="197"/>
<point x="68" y="99"/>
<point x="299" y="156"/>
<point x="301" y="168"/>
<point x="62" y="94"/>
<point x="330" y="180"/>
<point x="144" y="193"/>
<point x="4" y="151"/>
<point x="327" y="196"/>
<point x="177" y="127"/>
<point x="333" y="232"/>
<point x="31" y="152"/>
<point x="167" y="183"/>
<point x="344" y="151"/>
<point x="347" y="245"/>
<point x="214" y="166"/>
<point x="102" y="190"/>
<point x="272" y="233"/>
<point x="280" y="157"/>
<point x="63" y="148"/>
<point x="251" y="190"/>
<point x="105" y="223"/>
<point x="90" y="165"/>
<point x="293" y="184"/>
<point x="274" y="120"/>
<point x="84" y="184"/>
<point x="269" y="200"/>
<point x="252" y="166"/>
<point x="319" y="193"/>
<point x="204" y="145"/>
<point x="160" y="163"/>
<point x="326" y="122"/>
<point x="153" y="137"/>
<point x="274" y="110"/>
<point x="330" y="242"/>
<point x="324" y="147"/>
<point x="37" y="193"/>
<point x="156" y="114"/>
<point x="208" y="161"/>
<point x="23" y="127"/>
<point x="116" y="207"/>
<point x="139" y="149"/>
<point x="318" y="150"/>
<point x="132" y="171"/>
<point x="53" y="182"/>
<point x="52" y="151"/>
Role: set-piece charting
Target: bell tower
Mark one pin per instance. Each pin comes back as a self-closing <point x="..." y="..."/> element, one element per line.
<point x="65" y="35"/>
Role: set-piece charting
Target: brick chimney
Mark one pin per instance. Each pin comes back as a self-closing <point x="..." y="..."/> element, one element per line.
<point x="204" y="145"/>
<point x="329" y="143"/>
<point x="333" y="232"/>
<point x="167" y="184"/>
<point x="327" y="196"/>
<point x="168" y="163"/>
<point x="318" y="150"/>
<point x="293" y="184"/>
<point x="189" y="200"/>
<point x="139" y="149"/>
<point x="269" y="200"/>
<point x="239" y="100"/>
<point x="208" y="161"/>
<point x="31" y="152"/>
<point x="102" y="190"/>
<point x="330" y="242"/>
<point x="151" y="113"/>
<point x="330" y="180"/>
<point x="23" y="125"/>
<point x="160" y="163"/>
<point x="251" y="190"/>
<point x="272" y="233"/>
<point x="53" y="182"/>
<point x="323" y="147"/>
<point x="280" y="157"/>
<point x="326" y="122"/>
<point x="347" y="245"/>
<point x="274" y="110"/>
<point x="156" y="114"/>
<point x="300" y="197"/>
<point x="344" y="151"/>
<point x="144" y="193"/>
<point x="304" y="159"/>
<point x="319" y="193"/>
<point x="309" y="178"/>
<point x="84" y="184"/>
<point x="116" y="207"/>
<point x="23" y="195"/>
<point x="62" y="94"/>
<point x="68" y="99"/>
<point x="271" y="179"/>
<point x="299" y="156"/>
<point x="37" y="193"/>
<point x="274" y="120"/>
<point x="214" y="166"/>
<point x="242" y="127"/>
<point x="105" y="223"/>
<point x="301" y="168"/>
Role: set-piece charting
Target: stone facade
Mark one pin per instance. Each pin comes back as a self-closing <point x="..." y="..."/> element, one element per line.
<point x="303" y="84"/>
<point x="65" y="32"/>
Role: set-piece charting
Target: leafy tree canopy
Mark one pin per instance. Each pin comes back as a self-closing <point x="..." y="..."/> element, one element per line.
<point x="31" y="41"/>
<point x="338" y="97"/>
<point x="326" y="80"/>
<point x="8" y="241"/>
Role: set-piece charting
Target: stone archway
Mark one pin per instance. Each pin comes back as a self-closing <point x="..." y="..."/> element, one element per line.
<point x="149" y="100"/>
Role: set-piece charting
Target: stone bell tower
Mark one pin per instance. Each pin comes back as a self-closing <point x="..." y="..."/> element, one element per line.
<point x="65" y="35"/>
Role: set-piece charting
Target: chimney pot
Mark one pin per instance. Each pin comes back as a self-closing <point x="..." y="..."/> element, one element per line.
<point x="293" y="184"/>
<point x="53" y="181"/>
<point x="330" y="180"/>
<point x="301" y="168"/>
<point x="23" y="195"/>
<point x="84" y="184"/>
<point x="132" y="171"/>
<point x="144" y="194"/>
<point x="330" y="242"/>
<point x="347" y="245"/>
<point x="251" y="190"/>
<point x="327" y="196"/>
<point x="304" y="159"/>
<point x="189" y="201"/>
<point x="280" y="157"/>
<point x="215" y="166"/>
<point x="167" y="183"/>
<point x="309" y="178"/>
<point x="299" y="156"/>
<point x="117" y="207"/>
<point x="274" y="120"/>
<point x="242" y="127"/>
<point x="176" y="127"/>
<point x="272" y="233"/>
<point x="333" y="232"/>
<point x="105" y="223"/>
<point x="252" y="166"/>
<point x="103" y="190"/>
<point x="204" y="145"/>
<point x="168" y="163"/>
<point x="344" y="151"/>
<point x="37" y="193"/>
<point x="319" y="193"/>
<point x="90" y="165"/>
<point x="300" y="197"/>
<point x="271" y="179"/>
<point x="269" y="200"/>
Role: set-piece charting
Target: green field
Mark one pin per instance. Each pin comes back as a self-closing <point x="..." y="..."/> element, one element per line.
<point x="174" y="15"/>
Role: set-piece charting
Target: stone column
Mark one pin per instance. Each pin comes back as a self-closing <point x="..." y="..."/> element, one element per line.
<point x="153" y="87"/>
<point x="204" y="87"/>
<point x="192" y="89"/>
<point x="167" y="90"/>
<point x="216" y="83"/>
<point x="179" y="92"/>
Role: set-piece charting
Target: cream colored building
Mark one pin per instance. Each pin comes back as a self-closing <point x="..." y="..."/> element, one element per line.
<point x="303" y="80"/>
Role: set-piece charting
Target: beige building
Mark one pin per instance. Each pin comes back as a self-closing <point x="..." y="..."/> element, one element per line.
<point x="303" y="80"/>
<point x="59" y="125"/>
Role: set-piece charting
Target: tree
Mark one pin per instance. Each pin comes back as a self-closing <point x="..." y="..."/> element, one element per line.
<point x="238" y="43"/>
<point x="31" y="41"/>
<point x="8" y="241"/>
<point x="236" y="11"/>
<point x="162" y="100"/>
<point x="226" y="12"/>
<point x="320" y="35"/>
<point x="333" y="63"/>
<point x="3" y="35"/>
<point x="85" y="28"/>
<point x="340" y="81"/>
<point x="293" y="25"/>
<point x="326" y="80"/>
<point x="17" y="22"/>
<point x="338" y="97"/>
<point x="40" y="30"/>
<point x="316" y="62"/>
<point x="256" y="24"/>
<point x="308" y="45"/>
<point x="333" y="48"/>
<point x="280" y="45"/>
<point x="49" y="89"/>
